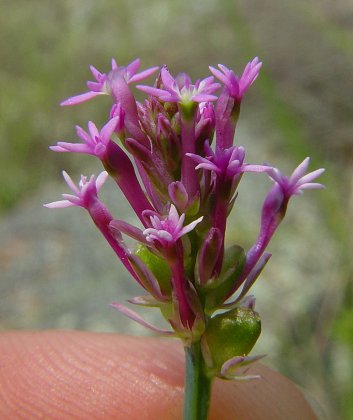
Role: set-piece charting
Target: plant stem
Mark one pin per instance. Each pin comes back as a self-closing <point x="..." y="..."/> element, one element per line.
<point x="197" y="385"/>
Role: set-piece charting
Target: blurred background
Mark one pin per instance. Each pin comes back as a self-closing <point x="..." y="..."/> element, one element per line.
<point x="55" y="269"/>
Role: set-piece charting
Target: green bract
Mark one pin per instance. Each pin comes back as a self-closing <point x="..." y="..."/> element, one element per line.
<point x="230" y="334"/>
<point x="158" y="266"/>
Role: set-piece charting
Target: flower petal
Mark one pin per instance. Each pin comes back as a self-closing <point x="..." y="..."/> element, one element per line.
<point x="137" y="318"/>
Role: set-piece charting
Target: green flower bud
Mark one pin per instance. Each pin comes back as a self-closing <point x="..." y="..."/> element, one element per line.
<point x="158" y="266"/>
<point x="230" y="334"/>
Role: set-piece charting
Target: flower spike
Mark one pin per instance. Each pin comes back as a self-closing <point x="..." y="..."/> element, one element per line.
<point x="158" y="152"/>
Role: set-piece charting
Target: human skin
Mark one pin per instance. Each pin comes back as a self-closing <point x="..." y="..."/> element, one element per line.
<point x="81" y="375"/>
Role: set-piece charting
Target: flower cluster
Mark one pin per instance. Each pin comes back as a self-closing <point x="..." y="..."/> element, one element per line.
<point x="173" y="158"/>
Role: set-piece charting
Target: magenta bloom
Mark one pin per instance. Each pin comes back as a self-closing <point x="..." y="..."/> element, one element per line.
<point x="181" y="89"/>
<point x="167" y="230"/>
<point x="237" y="86"/>
<point x="102" y="85"/>
<point x="226" y="163"/>
<point x="298" y="181"/>
<point x="83" y="193"/>
<point x="94" y="142"/>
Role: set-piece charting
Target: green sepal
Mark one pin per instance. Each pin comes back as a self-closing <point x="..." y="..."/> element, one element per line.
<point x="230" y="334"/>
<point x="158" y="266"/>
<point x="217" y="291"/>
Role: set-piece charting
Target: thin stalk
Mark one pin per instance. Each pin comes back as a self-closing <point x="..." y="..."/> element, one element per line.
<point x="197" y="385"/>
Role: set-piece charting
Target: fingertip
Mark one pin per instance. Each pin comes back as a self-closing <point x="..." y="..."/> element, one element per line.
<point x="89" y="375"/>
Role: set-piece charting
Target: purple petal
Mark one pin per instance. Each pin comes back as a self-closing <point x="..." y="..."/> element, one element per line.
<point x="219" y="75"/>
<point x="133" y="67"/>
<point x="276" y="175"/>
<point x="311" y="176"/>
<point x="311" y="186"/>
<point x="83" y="97"/>
<point x="76" y="201"/>
<point x="152" y="91"/>
<point x="169" y="97"/>
<point x="190" y="226"/>
<point x="173" y="215"/>
<point x="300" y="170"/>
<point x="57" y="149"/>
<point x="180" y="222"/>
<point x="101" y="178"/>
<point x="70" y="183"/>
<point x="228" y="72"/>
<point x="108" y="129"/>
<point x="81" y="133"/>
<point x="143" y="74"/>
<point x="137" y="318"/>
<point x="209" y="166"/>
<point x="71" y="147"/>
<point x="96" y="73"/>
<point x="167" y="78"/>
<point x="197" y="158"/>
<point x="208" y="81"/>
<point x="256" y="168"/>
<point x="93" y="131"/>
<point x="163" y="234"/>
<point x="114" y="64"/>
<point x="95" y="86"/>
<point x="202" y="97"/>
<point x="59" y="204"/>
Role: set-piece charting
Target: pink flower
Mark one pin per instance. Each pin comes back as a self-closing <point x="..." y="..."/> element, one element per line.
<point x="298" y="181"/>
<point x="83" y="193"/>
<point x="94" y="142"/>
<point x="226" y="163"/>
<point x="181" y="89"/>
<point x="167" y="230"/>
<point x="102" y="85"/>
<point x="236" y="85"/>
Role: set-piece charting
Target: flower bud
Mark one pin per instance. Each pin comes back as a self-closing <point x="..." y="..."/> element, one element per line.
<point x="230" y="334"/>
<point x="218" y="290"/>
<point x="178" y="194"/>
<point x="208" y="256"/>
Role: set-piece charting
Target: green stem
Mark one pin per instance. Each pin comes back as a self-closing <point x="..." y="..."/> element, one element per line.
<point x="197" y="385"/>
